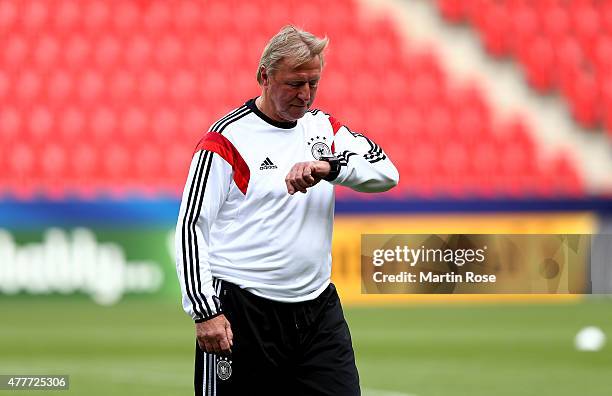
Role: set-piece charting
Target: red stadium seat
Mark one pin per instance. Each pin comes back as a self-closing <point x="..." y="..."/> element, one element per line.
<point x="41" y="124"/>
<point x="71" y="124"/>
<point x="605" y="12"/>
<point x="452" y="10"/>
<point x="9" y="14"/>
<point x="585" y="19"/>
<point x="585" y="100"/>
<point x="91" y="86"/>
<point x="34" y="14"/>
<point x="77" y="52"/>
<point x="107" y="53"/>
<point x="11" y="121"/>
<point x="567" y="181"/>
<point x="60" y="86"/>
<point x="122" y="85"/>
<point x="164" y="125"/>
<point x="5" y="87"/>
<point x="103" y="124"/>
<point x="539" y="60"/>
<point x="168" y="53"/>
<point x="28" y="86"/>
<point x="67" y="15"/>
<point x="135" y="125"/>
<point x="555" y="19"/>
<point x="494" y="29"/>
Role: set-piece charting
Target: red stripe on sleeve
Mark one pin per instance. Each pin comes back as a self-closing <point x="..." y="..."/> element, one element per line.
<point x="335" y="127"/>
<point x="215" y="142"/>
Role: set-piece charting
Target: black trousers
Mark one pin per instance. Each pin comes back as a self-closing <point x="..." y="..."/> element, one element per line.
<point x="280" y="349"/>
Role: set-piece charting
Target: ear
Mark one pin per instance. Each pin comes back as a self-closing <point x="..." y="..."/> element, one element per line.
<point x="265" y="77"/>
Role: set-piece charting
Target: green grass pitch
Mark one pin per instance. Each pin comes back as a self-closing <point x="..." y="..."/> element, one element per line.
<point x="143" y="347"/>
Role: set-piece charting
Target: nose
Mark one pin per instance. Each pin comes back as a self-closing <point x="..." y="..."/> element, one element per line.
<point x="304" y="93"/>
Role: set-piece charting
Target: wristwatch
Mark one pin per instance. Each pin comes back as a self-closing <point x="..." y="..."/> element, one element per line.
<point x="334" y="163"/>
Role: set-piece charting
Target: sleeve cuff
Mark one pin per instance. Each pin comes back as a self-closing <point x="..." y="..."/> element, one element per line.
<point x="200" y="320"/>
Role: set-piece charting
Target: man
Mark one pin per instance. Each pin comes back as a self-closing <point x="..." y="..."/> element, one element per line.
<point x="254" y="234"/>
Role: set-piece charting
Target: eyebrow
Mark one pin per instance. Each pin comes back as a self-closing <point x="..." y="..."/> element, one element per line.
<point x="302" y="80"/>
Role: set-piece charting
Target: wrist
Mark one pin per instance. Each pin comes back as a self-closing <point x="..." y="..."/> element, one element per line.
<point x="322" y="169"/>
<point x="333" y="167"/>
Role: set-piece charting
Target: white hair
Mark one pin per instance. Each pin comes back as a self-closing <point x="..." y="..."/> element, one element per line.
<point x="291" y="43"/>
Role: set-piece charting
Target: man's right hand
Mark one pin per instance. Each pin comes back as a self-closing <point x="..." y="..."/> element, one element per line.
<point x="215" y="335"/>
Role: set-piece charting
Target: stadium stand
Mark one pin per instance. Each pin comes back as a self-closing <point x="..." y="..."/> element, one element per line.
<point x="562" y="46"/>
<point x="105" y="98"/>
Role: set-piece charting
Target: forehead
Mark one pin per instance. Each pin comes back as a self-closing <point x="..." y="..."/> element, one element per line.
<point x="310" y="69"/>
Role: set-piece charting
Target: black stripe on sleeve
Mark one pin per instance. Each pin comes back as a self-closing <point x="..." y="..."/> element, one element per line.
<point x="377" y="159"/>
<point x="185" y="237"/>
<point x="375" y="153"/>
<point x="196" y="267"/>
<point x="345" y="156"/>
<point x="370" y="155"/>
<point x="192" y="240"/>
<point x="216" y="298"/>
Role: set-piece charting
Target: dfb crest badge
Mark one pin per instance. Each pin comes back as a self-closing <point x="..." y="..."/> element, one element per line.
<point x="319" y="147"/>
<point x="224" y="368"/>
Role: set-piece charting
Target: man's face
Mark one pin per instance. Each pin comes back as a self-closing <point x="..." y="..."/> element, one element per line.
<point x="292" y="90"/>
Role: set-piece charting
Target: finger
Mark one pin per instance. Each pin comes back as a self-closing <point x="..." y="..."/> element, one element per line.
<point x="201" y="345"/>
<point x="303" y="170"/>
<point x="229" y="333"/>
<point x="299" y="178"/>
<point x="215" y="346"/>
<point x="302" y="180"/>
<point x="298" y="187"/>
<point x="290" y="188"/>
<point x="224" y="346"/>
<point x="307" y="176"/>
<point x="295" y="180"/>
<point x="301" y="184"/>
<point x="289" y="181"/>
<point x="208" y="348"/>
<point x="292" y="185"/>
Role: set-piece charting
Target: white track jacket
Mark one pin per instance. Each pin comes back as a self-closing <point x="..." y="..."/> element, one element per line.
<point x="237" y="222"/>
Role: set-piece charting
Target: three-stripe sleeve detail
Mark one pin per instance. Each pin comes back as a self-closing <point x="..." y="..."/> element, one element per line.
<point x="375" y="153"/>
<point x="344" y="157"/>
<point x="191" y="259"/>
<point x="203" y="307"/>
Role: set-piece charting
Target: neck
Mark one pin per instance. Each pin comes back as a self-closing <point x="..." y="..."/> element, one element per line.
<point x="265" y="107"/>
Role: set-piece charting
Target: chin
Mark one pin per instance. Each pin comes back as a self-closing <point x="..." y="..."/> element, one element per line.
<point x="299" y="114"/>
